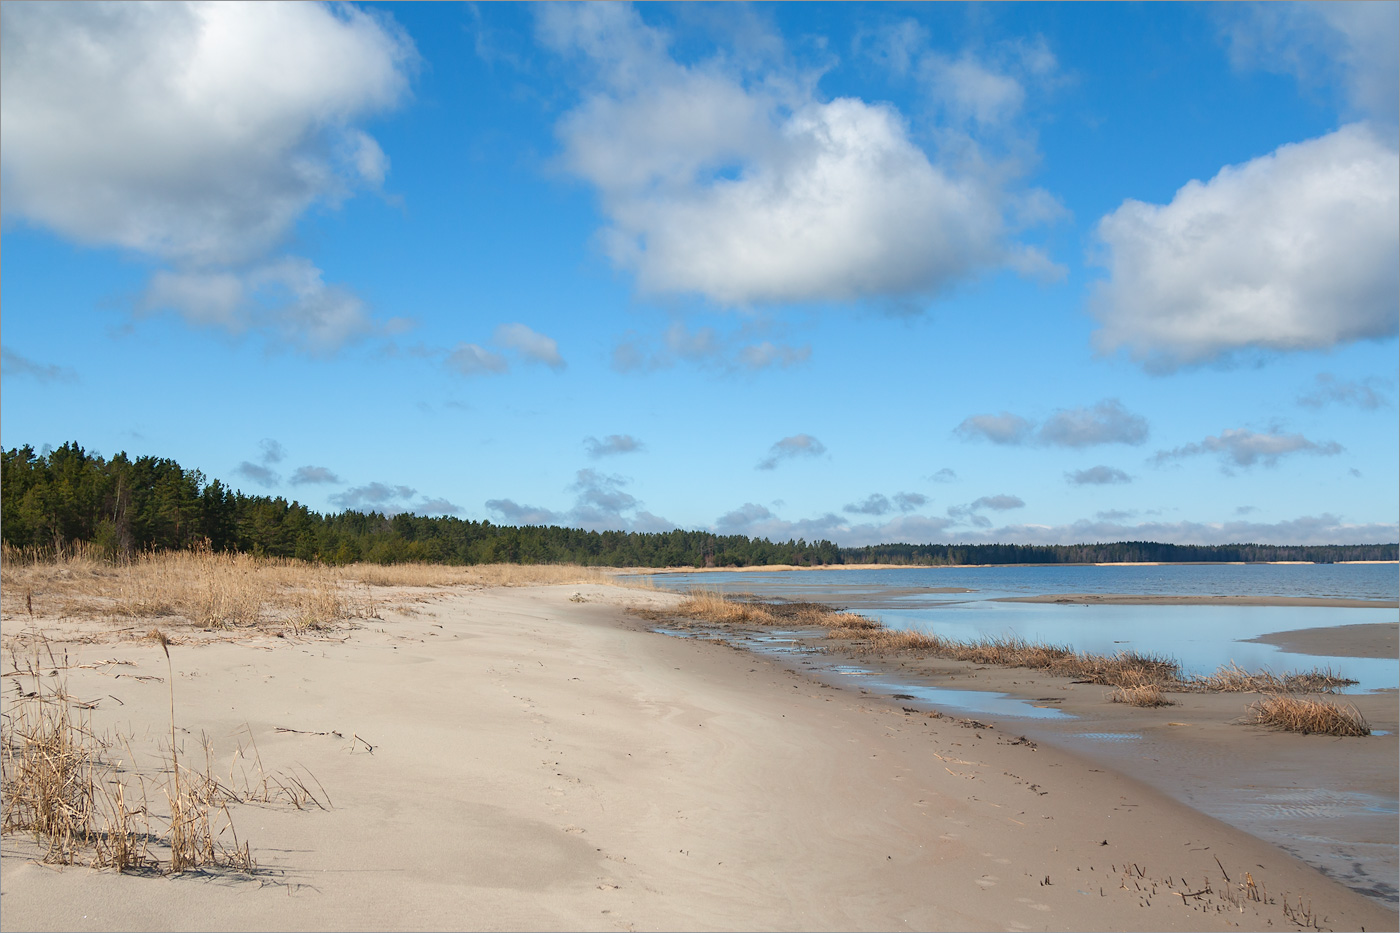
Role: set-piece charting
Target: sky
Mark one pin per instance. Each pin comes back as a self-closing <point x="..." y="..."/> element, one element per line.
<point x="1042" y="273"/>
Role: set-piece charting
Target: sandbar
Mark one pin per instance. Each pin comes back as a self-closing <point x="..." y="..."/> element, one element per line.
<point x="1370" y="640"/>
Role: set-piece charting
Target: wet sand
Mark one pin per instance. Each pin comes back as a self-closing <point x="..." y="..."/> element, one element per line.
<point x="1379" y="640"/>
<point x="541" y="760"/>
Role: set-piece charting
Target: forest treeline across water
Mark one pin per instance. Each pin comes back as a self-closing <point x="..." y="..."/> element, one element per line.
<point x="54" y="501"/>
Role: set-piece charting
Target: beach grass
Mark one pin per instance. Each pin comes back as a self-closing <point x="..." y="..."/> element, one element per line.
<point x="1310" y="717"/>
<point x="1141" y="679"/>
<point x="229" y="591"/>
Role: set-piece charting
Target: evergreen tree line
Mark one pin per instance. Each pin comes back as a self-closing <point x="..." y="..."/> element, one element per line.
<point x="124" y="506"/>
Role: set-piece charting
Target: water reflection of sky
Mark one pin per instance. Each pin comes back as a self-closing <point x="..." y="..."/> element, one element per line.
<point x="1201" y="638"/>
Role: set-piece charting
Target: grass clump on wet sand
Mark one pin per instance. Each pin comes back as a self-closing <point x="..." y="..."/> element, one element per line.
<point x="1148" y="695"/>
<point x="1310" y="717"/>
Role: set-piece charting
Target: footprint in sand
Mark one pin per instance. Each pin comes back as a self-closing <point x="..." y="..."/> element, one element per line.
<point x="987" y="881"/>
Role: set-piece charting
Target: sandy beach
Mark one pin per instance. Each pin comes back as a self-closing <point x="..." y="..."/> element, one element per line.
<point x="536" y="758"/>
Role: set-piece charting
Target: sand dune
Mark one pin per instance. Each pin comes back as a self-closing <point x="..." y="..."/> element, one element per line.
<point x="541" y="761"/>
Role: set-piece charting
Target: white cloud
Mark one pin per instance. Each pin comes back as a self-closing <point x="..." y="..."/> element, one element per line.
<point x="601" y="503"/>
<point x="1108" y="422"/>
<point x="389" y="499"/>
<point x="1244" y="448"/>
<point x="611" y="445"/>
<point x="1098" y="476"/>
<point x="756" y="191"/>
<point x="909" y="501"/>
<point x="198" y="134"/>
<point x="1294" y="250"/>
<point x="313" y="474"/>
<point x="1350" y="45"/>
<point x="874" y="504"/>
<point x="798" y="445"/>
<point x="1004" y="428"/>
<point x="757" y="521"/>
<point x="534" y="347"/>
<point x="272" y="451"/>
<point x="469" y="359"/>
<point x="1368" y="394"/>
<point x="1000" y="503"/>
<point x="286" y="297"/>
<point x="262" y="475"/>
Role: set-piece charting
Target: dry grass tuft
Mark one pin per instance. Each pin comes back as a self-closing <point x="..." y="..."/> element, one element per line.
<point x="1310" y="717"/>
<point x="1149" y="695"/>
<point x="61" y="782"/>
<point x="1234" y="679"/>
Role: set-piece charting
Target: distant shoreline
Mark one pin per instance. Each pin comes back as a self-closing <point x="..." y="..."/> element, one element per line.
<point x="775" y="568"/>
<point x="1131" y="599"/>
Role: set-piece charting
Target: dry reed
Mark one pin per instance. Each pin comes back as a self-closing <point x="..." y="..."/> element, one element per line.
<point x="1294" y="714"/>
<point x="1147" y="695"/>
<point x="1141" y="678"/>
<point x="60" y="782"/>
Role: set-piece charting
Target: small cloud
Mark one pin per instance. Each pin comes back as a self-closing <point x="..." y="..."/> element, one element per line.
<point x="314" y="474"/>
<point x="740" y="519"/>
<point x="611" y="445"/>
<point x="909" y="501"/>
<point x="257" y="473"/>
<point x="469" y="359"/>
<point x="516" y="514"/>
<point x="16" y="364"/>
<point x="1113" y="515"/>
<point x="437" y="507"/>
<point x="999" y="503"/>
<point x="1004" y="428"/>
<point x="1245" y="448"/>
<point x="799" y="445"/>
<point x="874" y="504"/>
<point x="707" y="348"/>
<point x="1245" y="509"/>
<point x="374" y="496"/>
<point x="1098" y="476"/>
<point x="273" y="452"/>
<point x="944" y="475"/>
<point x="1108" y="422"/>
<point x="534" y="347"/>
<point x="1367" y="394"/>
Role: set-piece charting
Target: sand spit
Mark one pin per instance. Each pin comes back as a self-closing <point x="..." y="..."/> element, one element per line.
<point x="534" y="758"/>
<point x="1133" y="599"/>
<point x="1370" y="640"/>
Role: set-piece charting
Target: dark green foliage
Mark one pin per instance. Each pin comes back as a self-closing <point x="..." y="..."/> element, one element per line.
<point x="123" y="506"/>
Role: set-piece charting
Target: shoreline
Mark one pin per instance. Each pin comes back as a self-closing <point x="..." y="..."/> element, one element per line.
<point x="541" y="760"/>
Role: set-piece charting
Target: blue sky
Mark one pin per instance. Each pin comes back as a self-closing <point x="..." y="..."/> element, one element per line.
<point x="933" y="273"/>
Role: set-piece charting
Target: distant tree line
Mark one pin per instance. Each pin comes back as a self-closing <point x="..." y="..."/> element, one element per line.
<point x="125" y="506"/>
